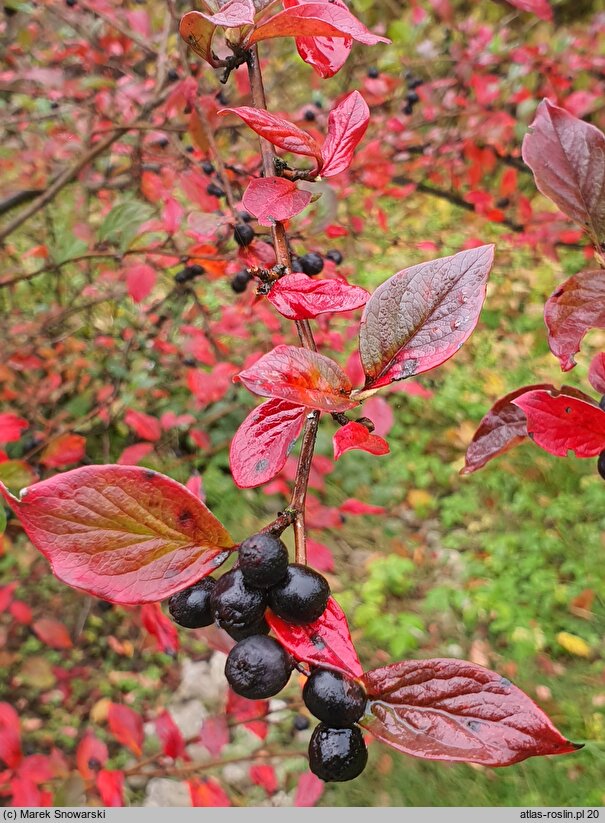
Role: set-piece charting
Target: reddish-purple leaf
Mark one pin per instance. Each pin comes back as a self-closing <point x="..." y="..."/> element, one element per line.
<point x="355" y="436"/>
<point x="6" y="596"/>
<point x="596" y="373"/>
<point x="10" y="737"/>
<point x="140" y="280"/>
<point x="160" y="627"/>
<point x="214" y="734"/>
<point x="143" y="425"/>
<point x="121" y="533"/>
<point x="448" y="709"/>
<point x="327" y="55"/>
<point x="541" y="8"/>
<point x="299" y="376"/>
<point x="279" y="132"/>
<point x="126" y="725"/>
<point x="503" y="427"/>
<point x="132" y="455"/>
<point x="310" y="788"/>
<point x="560" y="423"/>
<point x="421" y="316"/>
<point x="319" y="556"/>
<point x="91" y="755"/>
<point x="347" y="125"/>
<point x="567" y="157"/>
<point x="52" y="633"/>
<point x="248" y="712"/>
<point x="233" y="14"/>
<point x="274" y="199"/>
<point x="326" y="642"/>
<point x="262" y="443"/>
<point x="197" y="31"/>
<point x="577" y="306"/>
<point x="110" y="785"/>
<point x="11" y="426"/>
<point x="207" y="792"/>
<point x="264" y="775"/>
<point x="169" y="735"/>
<point x="316" y="20"/>
<point x="380" y="413"/>
<point x="353" y="506"/>
<point x="299" y="297"/>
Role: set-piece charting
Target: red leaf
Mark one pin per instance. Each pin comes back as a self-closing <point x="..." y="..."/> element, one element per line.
<point x="110" y="785"/>
<point x="596" y="372"/>
<point x="279" y="132"/>
<point x="355" y="436"/>
<point x="132" y="455"/>
<point x="21" y="612"/>
<point x="10" y="737"/>
<point x="161" y="627"/>
<point x="380" y="413"/>
<point x="325" y="642"/>
<point x="11" y="426"/>
<point x="577" y="306"/>
<point x="26" y="793"/>
<point x="421" y="316"/>
<point x="121" y="533"/>
<point x="126" y="725"/>
<point x="143" y="425"/>
<point x="352" y="506"/>
<point x="214" y="734"/>
<point x="91" y="755"/>
<point x="327" y="55"/>
<point x="169" y="735"/>
<point x="448" y="709"/>
<point x="233" y="14"/>
<point x="567" y="157"/>
<point x="274" y="199"/>
<point x="503" y="427"/>
<point x="310" y="788"/>
<point x="63" y="450"/>
<point x="263" y="442"/>
<point x="53" y="633"/>
<point x="6" y="596"/>
<point x="541" y="8"/>
<point x="347" y="124"/>
<point x="140" y="280"/>
<point x="248" y="712"/>
<point x="319" y="556"/>
<point x="560" y="423"/>
<point x="316" y="20"/>
<point x="299" y="376"/>
<point x="299" y="297"/>
<point x="264" y="776"/>
<point x="207" y="792"/>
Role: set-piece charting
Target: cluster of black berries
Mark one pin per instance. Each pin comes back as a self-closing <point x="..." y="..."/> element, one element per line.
<point x="312" y="263"/>
<point x="411" y="97"/>
<point x="258" y="667"/>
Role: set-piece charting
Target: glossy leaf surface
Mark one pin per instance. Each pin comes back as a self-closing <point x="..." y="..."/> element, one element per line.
<point x="421" y="316"/>
<point x="347" y="124"/>
<point x="355" y="436"/>
<point x="262" y="443"/>
<point x="577" y="306"/>
<point x="122" y="533"/>
<point x="316" y="20"/>
<point x="448" y="709"/>
<point x="561" y="424"/>
<point x="299" y="297"/>
<point x="274" y="199"/>
<point x="299" y="376"/>
<point x="327" y="55"/>
<point x="279" y="132"/>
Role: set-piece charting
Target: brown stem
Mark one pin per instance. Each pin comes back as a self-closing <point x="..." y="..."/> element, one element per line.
<point x="192" y="768"/>
<point x="303" y="327"/>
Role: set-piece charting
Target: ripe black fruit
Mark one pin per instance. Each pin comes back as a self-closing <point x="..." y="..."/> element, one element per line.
<point x="70" y="3"/>
<point x="191" y="607"/>
<point x="243" y="234"/>
<point x="258" y="667"/>
<point x="412" y="97"/>
<point x="240" y="281"/>
<point x="263" y="560"/>
<point x="172" y="75"/>
<point x="301" y="723"/>
<point x="301" y="597"/>
<point x="234" y="604"/>
<point x="214" y="190"/>
<point x="602" y="403"/>
<point x="336" y="755"/>
<point x="335" y="256"/>
<point x="309" y="115"/>
<point x="296" y="266"/>
<point x="243" y="215"/>
<point x="334" y="698"/>
<point x="601" y="464"/>
<point x="311" y="263"/>
<point x="261" y="627"/>
<point x="373" y="73"/>
<point x="408" y="109"/>
<point x="207" y="167"/>
<point x="188" y="273"/>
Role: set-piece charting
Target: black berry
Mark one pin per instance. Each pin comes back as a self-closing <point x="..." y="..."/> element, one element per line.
<point x="334" y="698"/>
<point x="54" y="105"/>
<point x="601" y="464"/>
<point x="234" y="604"/>
<point x="190" y="149"/>
<point x="309" y="115"/>
<point x="415" y="82"/>
<point x="243" y="234"/>
<point x="311" y="263"/>
<point x="336" y="755"/>
<point x="296" y="266"/>
<point x="191" y="607"/>
<point x="335" y="256"/>
<point x="162" y="142"/>
<point x="263" y="560"/>
<point x="301" y="597"/>
<point x="373" y="73"/>
<point x="258" y="667"/>
<point x="214" y="190"/>
<point x="412" y="97"/>
<point x="243" y="215"/>
<point x="301" y="723"/>
<point x="188" y="273"/>
<point x="602" y="403"/>
<point x="207" y="167"/>
<point x="240" y="281"/>
<point x="70" y="3"/>
<point x="408" y="109"/>
<point x="172" y="75"/>
<point x="262" y="627"/>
